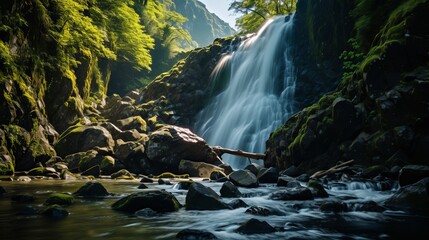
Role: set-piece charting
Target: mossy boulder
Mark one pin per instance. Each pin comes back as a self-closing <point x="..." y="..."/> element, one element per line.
<point x="92" y="190"/>
<point x="198" y="169"/>
<point x="83" y="138"/>
<point x="413" y="197"/>
<point x="157" y="200"/>
<point x="170" y="144"/>
<point x="135" y="122"/>
<point x="63" y="199"/>
<point x="55" y="211"/>
<point x="122" y="174"/>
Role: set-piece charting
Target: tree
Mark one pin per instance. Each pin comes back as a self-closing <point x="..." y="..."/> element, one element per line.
<point x="257" y="11"/>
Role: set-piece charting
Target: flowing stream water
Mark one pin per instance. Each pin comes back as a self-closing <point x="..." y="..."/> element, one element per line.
<point x="259" y="92"/>
<point x="91" y="219"/>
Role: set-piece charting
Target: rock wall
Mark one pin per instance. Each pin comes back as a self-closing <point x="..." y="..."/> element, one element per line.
<point x="376" y="116"/>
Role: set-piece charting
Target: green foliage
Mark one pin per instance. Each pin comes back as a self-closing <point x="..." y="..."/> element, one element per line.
<point x="351" y="58"/>
<point x="257" y="11"/>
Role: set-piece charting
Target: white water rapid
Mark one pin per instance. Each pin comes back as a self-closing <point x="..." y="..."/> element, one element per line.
<point x="259" y="94"/>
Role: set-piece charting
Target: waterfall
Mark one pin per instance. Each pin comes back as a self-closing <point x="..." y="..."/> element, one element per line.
<point x="259" y="92"/>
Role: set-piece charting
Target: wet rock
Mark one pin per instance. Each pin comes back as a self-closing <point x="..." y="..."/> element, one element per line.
<point x="184" y="185"/>
<point x="333" y="207"/>
<point x="218" y="176"/>
<point x="23" y="179"/>
<point x="41" y="171"/>
<point x="83" y="138"/>
<point x="284" y="180"/>
<point x="227" y="169"/>
<point x="146" y="180"/>
<point x="414" y="197"/>
<point x="164" y="182"/>
<point x="303" y="177"/>
<point x="253" y="168"/>
<point x="244" y="178"/>
<point x="146" y="212"/>
<point x="157" y="200"/>
<point x="63" y="199"/>
<point x="142" y="186"/>
<point x="197" y="169"/>
<point x="229" y="190"/>
<point x="92" y="189"/>
<point x="135" y="122"/>
<point x="170" y="144"/>
<point x="345" y="118"/>
<point x="370" y="206"/>
<point x="237" y="203"/>
<point x="256" y="210"/>
<point x="94" y="171"/>
<point x="412" y="173"/>
<point x="291" y="172"/>
<point x="268" y="175"/>
<point x="28" y="211"/>
<point x="293" y="184"/>
<point x="293" y="194"/>
<point x="67" y="175"/>
<point x="23" y="198"/>
<point x="317" y="189"/>
<point x="55" y="211"/>
<point x="195" y="234"/>
<point x="132" y="136"/>
<point x="255" y="226"/>
<point x="200" y="197"/>
<point x="122" y="174"/>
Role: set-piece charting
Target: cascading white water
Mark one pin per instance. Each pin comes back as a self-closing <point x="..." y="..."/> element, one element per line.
<point x="259" y="94"/>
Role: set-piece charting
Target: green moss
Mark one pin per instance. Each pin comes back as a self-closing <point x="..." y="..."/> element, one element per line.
<point x="171" y="175"/>
<point x="123" y="174"/>
<point x="63" y="199"/>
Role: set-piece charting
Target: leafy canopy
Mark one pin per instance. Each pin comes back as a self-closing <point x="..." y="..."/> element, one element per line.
<point x="257" y="11"/>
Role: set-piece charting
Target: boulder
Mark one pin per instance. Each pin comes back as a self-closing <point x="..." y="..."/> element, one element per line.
<point x="317" y="189"/>
<point x="83" y="138"/>
<point x="135" y="122"/>
<point x="218" y="176"/>
<point x="157" y="200"/>
<point x="253" y="168"/>
<point x="94" y="171"/>
<point x="55" y="211"/>
<point x="92" y="190"/>
<point x="170" y="144"/>
<point x="237" y="203"/>
<point x="284" y="180"/>
<point x="229" y="190"/>
<point x="122" y="174"/>
<point x="200" y="197"/>
<point x="146" y="179"/>
<point x="268" y="175"/>
<point x="255" y="226"/>
<point x="370" y="206"/>
<point x="293" y="194"/>
<point x="195" y="234"/>
<point x="412" y="173"/>
<point x="142" y="186"/>
<point x="244" y="178"/>
<point x="256" y="210"/>
<point x="63" y="199"/>
<point x="184" y="185"/>
<point x="227" y="169"/>
<point x="414" y="197"/>
<point x="333" y="207"/>
<point x="197" y="169"/>
<point x="291" y="171"/>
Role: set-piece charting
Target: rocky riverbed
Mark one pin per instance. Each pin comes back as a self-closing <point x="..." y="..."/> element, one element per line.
<point x="269" y="205"/>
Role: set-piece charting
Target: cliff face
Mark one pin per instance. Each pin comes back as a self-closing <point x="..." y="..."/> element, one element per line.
<point x="203" y="26"/>
<point x="377" y="115"/>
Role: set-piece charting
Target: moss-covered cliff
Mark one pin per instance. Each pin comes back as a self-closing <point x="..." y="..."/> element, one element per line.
<point x="377" y="115"/>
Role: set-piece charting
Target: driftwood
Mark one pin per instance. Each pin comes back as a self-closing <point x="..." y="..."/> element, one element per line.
<point x="334" y="169"/>
<point x="222" y="150"/>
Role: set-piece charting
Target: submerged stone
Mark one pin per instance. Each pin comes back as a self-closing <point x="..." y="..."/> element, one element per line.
<point x="157" y="200"/>
<point x="55" y="211"/>
<point x="195" y="234"/>
<point x="255" y="226"/>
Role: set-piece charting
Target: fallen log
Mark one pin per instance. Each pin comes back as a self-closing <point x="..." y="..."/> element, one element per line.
<point x="222" y="150"/>
<point x="334" y="169"/>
